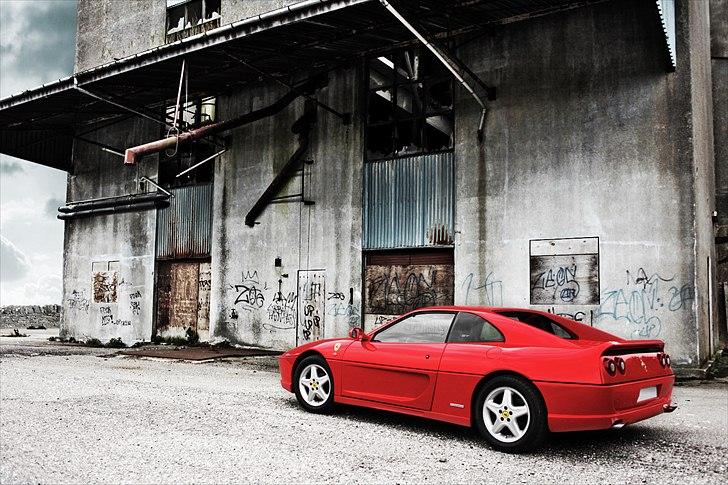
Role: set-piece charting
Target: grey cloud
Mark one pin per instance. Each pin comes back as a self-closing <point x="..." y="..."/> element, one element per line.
<point x="10" y="168"/>
<point x="14" y="264"/>
<point x="38" y="42"/>
<point x="52" y="206"/>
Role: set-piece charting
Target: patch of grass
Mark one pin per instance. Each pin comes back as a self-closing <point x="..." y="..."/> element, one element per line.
<point x="92" y="342"/>
<point x="37" y="327"/>
<point x="116" y="343"/>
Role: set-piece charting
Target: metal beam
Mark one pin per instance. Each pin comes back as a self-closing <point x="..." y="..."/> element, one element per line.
<point x="345" y="117"/>
<point x="446" y="60"/>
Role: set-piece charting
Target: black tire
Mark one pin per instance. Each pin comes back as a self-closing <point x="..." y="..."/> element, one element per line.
<point x="321" y="406"/>
<point x="535" y="424"/>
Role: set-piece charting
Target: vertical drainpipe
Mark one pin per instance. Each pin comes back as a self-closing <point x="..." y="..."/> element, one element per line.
<point x="445" y="62"/>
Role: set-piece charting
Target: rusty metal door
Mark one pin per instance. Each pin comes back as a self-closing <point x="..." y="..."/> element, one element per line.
<point x="311" y="305"/>
<point x="396" y="282"/>
<point x="178" y="298"/>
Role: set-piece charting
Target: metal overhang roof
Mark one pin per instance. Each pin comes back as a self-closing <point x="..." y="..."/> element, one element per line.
<point x="40" y="125"/>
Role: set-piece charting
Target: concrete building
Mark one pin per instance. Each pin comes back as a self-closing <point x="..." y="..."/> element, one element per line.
<point x="558" y="155"/>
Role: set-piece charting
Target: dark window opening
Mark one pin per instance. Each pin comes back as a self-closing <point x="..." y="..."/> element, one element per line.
<point x="541" y="322"/>
<point x="472" y="328"/>
<point x="174" y="161"/>
<point x="409" y="105"/>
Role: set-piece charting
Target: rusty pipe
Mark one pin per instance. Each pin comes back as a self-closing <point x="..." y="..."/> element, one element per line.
<point x="133" y="154"/>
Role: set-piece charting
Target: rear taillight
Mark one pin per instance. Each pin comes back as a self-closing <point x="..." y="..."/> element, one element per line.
<point x="664" y="360"/>
<point x="610" y="366"/>
<point x="621" y="365"/>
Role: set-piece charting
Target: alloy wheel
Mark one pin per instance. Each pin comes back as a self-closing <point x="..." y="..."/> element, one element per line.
<point x="314" y="385"/>
<point x="506" y="414"/>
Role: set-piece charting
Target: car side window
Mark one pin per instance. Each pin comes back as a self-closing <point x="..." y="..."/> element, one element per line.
<point x="472" y="328"/>
<point x="419" y="328"/>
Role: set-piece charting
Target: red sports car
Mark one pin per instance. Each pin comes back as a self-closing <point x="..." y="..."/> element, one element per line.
<point x="514" y="374"/>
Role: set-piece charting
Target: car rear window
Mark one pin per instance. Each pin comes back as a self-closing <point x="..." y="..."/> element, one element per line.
<point x="541" y="322"/>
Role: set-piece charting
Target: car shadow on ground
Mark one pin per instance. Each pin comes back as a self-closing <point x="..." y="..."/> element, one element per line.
<point x="570" y="445"/>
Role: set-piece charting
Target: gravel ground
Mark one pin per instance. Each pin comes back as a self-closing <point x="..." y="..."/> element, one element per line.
<point x="101" y="418"/>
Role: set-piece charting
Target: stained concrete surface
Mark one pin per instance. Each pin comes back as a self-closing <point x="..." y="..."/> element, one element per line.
<point x="97" y="418"/>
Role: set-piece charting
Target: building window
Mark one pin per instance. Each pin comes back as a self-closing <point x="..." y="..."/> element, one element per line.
<point x="409" y="105"/>
<point x="189" y="17"/>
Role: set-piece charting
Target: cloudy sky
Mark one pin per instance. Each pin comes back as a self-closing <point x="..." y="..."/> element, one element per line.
<point x="37" y="39"/>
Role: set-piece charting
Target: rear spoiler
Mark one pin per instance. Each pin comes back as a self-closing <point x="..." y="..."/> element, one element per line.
<point x="633" y="347"/>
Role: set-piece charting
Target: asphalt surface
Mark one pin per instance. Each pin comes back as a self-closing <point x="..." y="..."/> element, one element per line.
<point x="97" y="417"/>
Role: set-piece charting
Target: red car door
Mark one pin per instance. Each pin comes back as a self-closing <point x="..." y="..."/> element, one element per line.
<point x="399" y="364"/>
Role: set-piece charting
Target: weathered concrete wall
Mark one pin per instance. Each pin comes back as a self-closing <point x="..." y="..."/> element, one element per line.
<point x="719" y="73"/>
<point x="122" y="305"/>
<point x="694" y="27"/>
<point x="587" y="138"/>
<point x="108" y="29"/>
<point x="253" y="300"/>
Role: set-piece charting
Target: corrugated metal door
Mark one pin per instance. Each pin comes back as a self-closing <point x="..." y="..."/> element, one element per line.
<point x="408" y="202"/>
<point x="184" y="228"/>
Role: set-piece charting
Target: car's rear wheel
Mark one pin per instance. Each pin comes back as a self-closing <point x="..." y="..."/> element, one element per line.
<point x="314" y="385"/>
<point x="510" y="414"/>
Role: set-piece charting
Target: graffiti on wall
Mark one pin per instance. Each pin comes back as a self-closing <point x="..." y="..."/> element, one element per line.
<point x="312" y="304"/>
<point x="488" y="291"/>
<point x="249" y="292"/>
<point x="393" y="290"/>
<point x="339" y="306"/>
<point x="107" y="317"/>
<point x="78" y="301"/>
<point x="135" y="304"/>
<point x="645" y="302"/>
<point x="282" y="310"/>
<point x="564" y="271"/>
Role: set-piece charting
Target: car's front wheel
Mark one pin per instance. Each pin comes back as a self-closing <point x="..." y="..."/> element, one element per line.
<point x="510" y="414"/>
<point x="314" y="385"/>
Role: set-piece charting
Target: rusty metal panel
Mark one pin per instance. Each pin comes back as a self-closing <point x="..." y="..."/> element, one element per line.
<point x="408" y="202"/>
<point x="177" y="297"/>
<point x="184" y="228"/>
<point x="394" y="289"/>
<point x="564" y="271"/>
<point x="311" y="305"/>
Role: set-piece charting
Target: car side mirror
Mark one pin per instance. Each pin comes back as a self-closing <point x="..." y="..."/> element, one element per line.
<point x="357" y="333"/>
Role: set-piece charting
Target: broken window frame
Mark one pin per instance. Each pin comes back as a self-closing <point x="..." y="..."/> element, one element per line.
<point x="420" y="88"/>
<point x="204" y="7"/>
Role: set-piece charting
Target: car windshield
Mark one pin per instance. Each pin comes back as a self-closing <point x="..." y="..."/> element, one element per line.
<point x="541" y="322"/>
